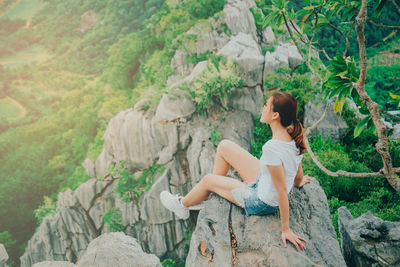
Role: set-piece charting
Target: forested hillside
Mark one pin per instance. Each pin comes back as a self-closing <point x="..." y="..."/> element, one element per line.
<point x="67" y="67"/>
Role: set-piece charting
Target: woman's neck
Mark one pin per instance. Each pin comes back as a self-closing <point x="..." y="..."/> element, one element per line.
<point x="279" y="132"/>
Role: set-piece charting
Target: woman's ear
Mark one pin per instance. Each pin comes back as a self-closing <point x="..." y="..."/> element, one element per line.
<point x="276" y="116"/>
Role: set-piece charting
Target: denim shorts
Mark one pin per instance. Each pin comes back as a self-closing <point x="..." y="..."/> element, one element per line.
<point x="247" y="197"/>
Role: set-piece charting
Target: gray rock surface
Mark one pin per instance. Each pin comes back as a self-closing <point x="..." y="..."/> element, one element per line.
<point x="285" y="55"/>
<point x="54" y="264"/>
<point x="3" y="256"/>
<point x="79" y="218"/>
<point x="257" y="239"/>
<point x="170" y="109"/>
<point x="332" y="125"/>
<point x="246" y="52"/>
<point x="268" y="35"/>
<point x="368" y="240"/>
<point x="239" y="19"/>
<point x="118" y="250"/>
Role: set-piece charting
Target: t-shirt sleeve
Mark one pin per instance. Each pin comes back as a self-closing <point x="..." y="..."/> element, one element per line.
<point x="270" y="156"/>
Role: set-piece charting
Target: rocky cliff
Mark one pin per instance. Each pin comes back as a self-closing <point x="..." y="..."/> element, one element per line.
<point x="225" y="236"/>
<point x="368" y="240"/>
<point x="173" y="135"/>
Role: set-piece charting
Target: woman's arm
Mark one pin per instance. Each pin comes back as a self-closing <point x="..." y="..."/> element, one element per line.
<point x="300" y="178"/>
<point x="278" y="178"/>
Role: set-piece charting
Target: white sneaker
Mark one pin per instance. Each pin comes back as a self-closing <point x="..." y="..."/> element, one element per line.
<point x="172" y="203"/>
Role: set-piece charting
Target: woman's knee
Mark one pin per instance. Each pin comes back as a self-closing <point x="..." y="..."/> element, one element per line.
<point x="207" y="180"/>
<point x="224" y="145"/>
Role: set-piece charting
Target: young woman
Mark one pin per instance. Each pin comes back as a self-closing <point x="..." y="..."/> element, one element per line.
<point x="266" y="181"/>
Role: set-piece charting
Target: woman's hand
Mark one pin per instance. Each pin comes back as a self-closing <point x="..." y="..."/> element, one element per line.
<point x="306" y="179"/>
<point x="295" y="239"/>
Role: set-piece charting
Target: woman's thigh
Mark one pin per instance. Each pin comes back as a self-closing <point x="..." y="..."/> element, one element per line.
<point x="222" y="186"/>
<point x="240" y="159"/>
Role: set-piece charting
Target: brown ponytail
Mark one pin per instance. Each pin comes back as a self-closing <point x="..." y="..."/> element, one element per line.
<point x="286" y="105"/>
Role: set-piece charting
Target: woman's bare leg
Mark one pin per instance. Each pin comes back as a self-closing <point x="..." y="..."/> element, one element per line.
<point x="228" y="154"/>
<point x="221" y="185"/>
<point x="231" y="154"/>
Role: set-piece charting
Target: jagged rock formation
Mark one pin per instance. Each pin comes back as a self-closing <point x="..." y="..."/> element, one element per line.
<point x="175" y="136"/>
<point x="231" y="238"/>
<point x="54" y="264"/>
<point x="116" y="249"/>
<point x="332" y="125"/>
<point x="368" y="240"/>
<point x="3" y="256"/>
<point x="110" y="249"/>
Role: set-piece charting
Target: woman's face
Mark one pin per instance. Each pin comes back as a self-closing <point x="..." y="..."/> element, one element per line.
<point x="267" y="115"/>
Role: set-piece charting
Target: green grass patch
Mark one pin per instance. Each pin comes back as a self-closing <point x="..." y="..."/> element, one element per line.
<point x="8" y="109"/>
<point x="25" y="9"/>
<point x="34" y="53"/>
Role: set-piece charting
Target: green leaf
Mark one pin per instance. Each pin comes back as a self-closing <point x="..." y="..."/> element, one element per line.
<point x="379" y="9"/>
<point x="395" y="97"/>
<point x="338" y="107"/>
<point x="360" y="127"/>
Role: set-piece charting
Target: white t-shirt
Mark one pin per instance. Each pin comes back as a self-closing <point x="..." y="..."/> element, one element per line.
<point x="277" y="152"/>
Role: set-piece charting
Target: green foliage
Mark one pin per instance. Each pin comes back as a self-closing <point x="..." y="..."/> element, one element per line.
<point x="112" y="219"/>
<point x="202" y="9"/>
<point x="262" y="133"/>
<point x="214" y="85"/>
<point x="342" y="74"/>
<point x="383" y="81"/>
<point x="258" y="18"/>
<point x="172" y="263"/>
<point x="6" y="239"/>
<point x="215" y="135"/>
<point x="129" y="187"/>
<point x="359" y="195"/>
<point x="48" y="207"/>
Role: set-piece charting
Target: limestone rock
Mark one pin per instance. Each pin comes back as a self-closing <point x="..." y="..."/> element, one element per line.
<point x="116" y="249"/>
<point x="258" y="238"/>
<point x="88" y="164"/>
<point x="245" y="51"/>
<point x="368" y="240"/>
<point x="247" y="98"/>
<point x="332" y="125"/>
<point x="142" y="105"/>
<point x="137" y="138"/>
<point x="239" y="19"/>
<point x="179" y="64"/>
<point x="198" y="69"/>
<point x="268" y="35"/>
<point x="285" y="55"/>
<point x="54" y="264"/>
<point x="3" y="256"/>
<point x="175" y="105"/>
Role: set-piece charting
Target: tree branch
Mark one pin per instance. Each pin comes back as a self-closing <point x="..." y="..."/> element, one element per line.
<point x="383" y="26"/>
<point x="312" y="37"/>
<point x="323" y="51"/>
<point x="397" y="118"/>
<point x="341" y="172"/>
<point x="382" y="144"/>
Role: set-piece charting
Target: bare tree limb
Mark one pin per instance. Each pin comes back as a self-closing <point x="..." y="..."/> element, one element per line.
<point x="382" y="144"/>
<point x="383" y="26"/>
<point x="323" y="51"/>
<point x="344" y="36"/>
<point x="312" y="37"/>
<point x="382" y="111"/>
<point x="298" y="47"/>
<point x="309" y="129"/>
<point x="341" y="172"/>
